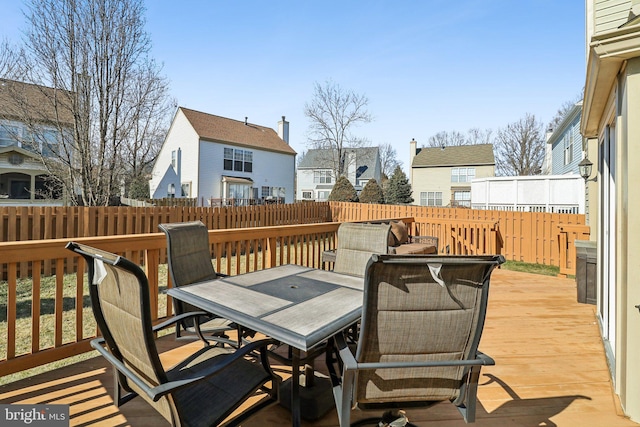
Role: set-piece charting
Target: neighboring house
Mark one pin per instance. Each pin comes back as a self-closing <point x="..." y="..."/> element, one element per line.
<point x="29" y="129"/>
<point x="566" y="144"/>
<point x="441" y="176"/>
<point x="222" y="161"/>
<point x="315" y="174"/>
<point x="609" y="121"/>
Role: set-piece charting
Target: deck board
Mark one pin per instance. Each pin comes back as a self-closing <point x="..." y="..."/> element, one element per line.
<point x="550" y="370"/>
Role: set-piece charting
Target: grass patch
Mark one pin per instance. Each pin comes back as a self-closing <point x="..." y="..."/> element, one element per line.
<point x="547" y="270"/>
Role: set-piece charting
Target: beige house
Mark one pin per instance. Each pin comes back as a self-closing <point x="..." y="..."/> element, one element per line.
<point x="610" y="123"/>
<point x="441" y="176"/>
<point x="31" y="131"/>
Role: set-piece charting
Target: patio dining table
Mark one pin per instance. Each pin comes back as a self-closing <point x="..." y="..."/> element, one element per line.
<point x="298" y="306"/>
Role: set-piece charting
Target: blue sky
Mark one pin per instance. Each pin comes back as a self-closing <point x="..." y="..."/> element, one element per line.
<point x="426" y="66"/>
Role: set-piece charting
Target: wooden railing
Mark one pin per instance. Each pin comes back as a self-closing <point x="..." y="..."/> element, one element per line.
<point x="568" y="234"/>
<point x="48" y="315"/>
<point x="31" y="336"/>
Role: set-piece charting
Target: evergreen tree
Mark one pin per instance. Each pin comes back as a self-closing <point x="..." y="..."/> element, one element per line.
<point x="372" y="193"/>
<point x="398" y="189"/>
<point x="343" y="191"/>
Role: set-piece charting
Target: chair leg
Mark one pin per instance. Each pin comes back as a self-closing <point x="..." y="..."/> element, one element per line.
<point x="120" y="396"/>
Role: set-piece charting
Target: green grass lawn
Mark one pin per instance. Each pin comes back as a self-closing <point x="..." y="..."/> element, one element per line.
<point x="547" y="270"/>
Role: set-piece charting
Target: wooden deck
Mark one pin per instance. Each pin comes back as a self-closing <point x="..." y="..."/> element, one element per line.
<point x="550" y="370"/>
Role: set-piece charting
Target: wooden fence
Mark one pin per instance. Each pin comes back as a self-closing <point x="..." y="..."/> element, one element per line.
<point x="568" y="234"/>
<point x="532" y="237"/>
<point x="36" y="223"/>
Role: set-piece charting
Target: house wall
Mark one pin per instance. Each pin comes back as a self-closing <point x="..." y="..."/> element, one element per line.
<point x="269" y="169"/>
<point x="558" y="166"/>
<point x="438" y="179"/>
<point x="182" y="136"/>
<point x="610" y="14"/>
<point x="627" y="246"/>
<point x="304" y="182"/>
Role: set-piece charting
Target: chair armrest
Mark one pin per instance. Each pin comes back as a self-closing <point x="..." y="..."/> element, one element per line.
<point x="344" y="352"/>
<point x="426" y="364"/>
<point x="155" y="393"/>
<point x="488" y="361"/>
<point x="175" y="319"/>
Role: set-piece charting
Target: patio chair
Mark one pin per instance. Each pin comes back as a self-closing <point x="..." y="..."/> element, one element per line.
<point x="205" y="388"/>
<point x="422" y="320"/>
<point x="189" y="261"/>
<point x="356" y="243"/>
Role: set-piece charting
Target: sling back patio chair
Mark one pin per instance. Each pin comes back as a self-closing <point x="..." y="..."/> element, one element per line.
<point x="189" y="261"/>
<point x="421" y="323"/>
<point x="356" y="243"/>
<point x="202" y="390"/>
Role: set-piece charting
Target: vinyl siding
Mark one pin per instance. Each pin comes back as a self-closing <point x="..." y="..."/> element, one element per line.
<point x="557" y="152"/>
<point x="269" y="170"/>
<point x="610" y="14"/>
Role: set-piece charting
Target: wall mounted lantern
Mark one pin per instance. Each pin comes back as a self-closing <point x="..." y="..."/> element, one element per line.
<point x="585" y="167"/>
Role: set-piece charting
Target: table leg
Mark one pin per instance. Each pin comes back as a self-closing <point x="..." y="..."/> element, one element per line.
<point x="295" y="388"/>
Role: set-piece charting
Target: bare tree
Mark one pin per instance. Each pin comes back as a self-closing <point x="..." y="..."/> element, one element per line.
<point x="455" y="138"/>
<point x="563" y="110"/>
<point x="333" y="112"/>
<point x="446" y="139"/>
<point x="388" y="159"/>
<point x="94" y="53"/>
<point x="7" y="59"/>
<point x="479" y="136"/>
<point x="520" y="147"/>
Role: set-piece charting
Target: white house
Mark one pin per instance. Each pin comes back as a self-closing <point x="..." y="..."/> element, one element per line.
<point x="315" y="174"/>
<point x="219" y="160"/>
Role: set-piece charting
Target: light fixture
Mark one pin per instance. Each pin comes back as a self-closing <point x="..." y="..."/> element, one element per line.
<point x="585" y="170"/>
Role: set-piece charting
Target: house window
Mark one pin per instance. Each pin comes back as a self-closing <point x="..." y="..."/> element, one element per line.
<point x="568" y="148"/>
<point x="431" y="198"/>
<point x="8" y="135"/>
<point x="323" y="195"/>
<point x="463" y="174"/>
<point x="307" y="195"/>
<point x="248" y="161"/>
<point x="238" y="157"/>
<point x="49" y="142"/>
<point x="238" y="160"/>
<point x="322" y="177"/>
<point x="228" y="159"/>
<point x="462" y="199"/>
<point x="171" y="191"/>
<point x="266" y="192"/>
<point x="186" y="189"/>
<point x="173" y="158"/>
